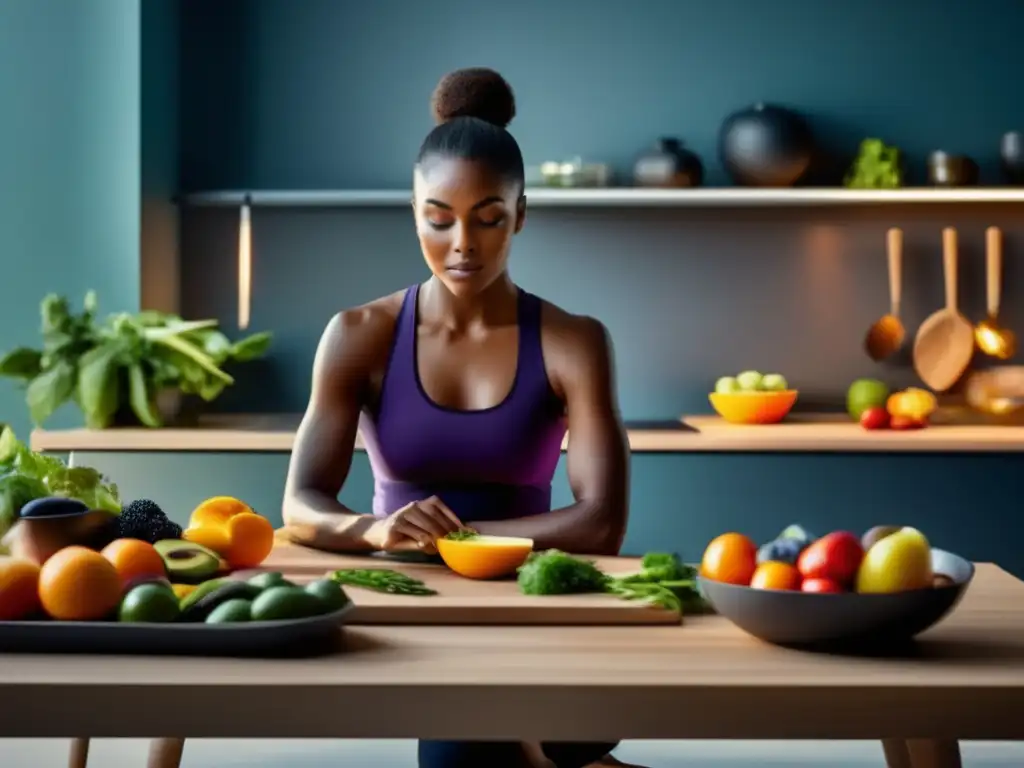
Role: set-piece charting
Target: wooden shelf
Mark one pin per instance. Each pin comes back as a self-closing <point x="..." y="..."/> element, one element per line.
<point x="694" y="434"/>
<point x="625" y="197"/>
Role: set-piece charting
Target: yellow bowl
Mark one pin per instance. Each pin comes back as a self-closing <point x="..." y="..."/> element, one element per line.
<point x="485" y="557"/>
<point x="753" y="407"/>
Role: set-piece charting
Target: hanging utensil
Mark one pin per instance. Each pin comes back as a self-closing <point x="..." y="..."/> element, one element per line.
<point x="992" y="338"/>
<point x="945" y="340"/>
<point x="887" y="335"/>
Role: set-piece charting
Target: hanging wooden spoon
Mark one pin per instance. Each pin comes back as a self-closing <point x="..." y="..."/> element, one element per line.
<point x="992" y="338"/>
<point x="887" y="335"/>
<point x="945" y="340"/>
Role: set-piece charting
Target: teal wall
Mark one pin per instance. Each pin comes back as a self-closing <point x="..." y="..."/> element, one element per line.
<point x="69" y="164"/>
<point x="324" y="94"/>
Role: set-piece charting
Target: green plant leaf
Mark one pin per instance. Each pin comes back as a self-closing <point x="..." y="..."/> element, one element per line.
<point x="49" y="391"/>
<point x="141" y="398"/>
<point x="195" y="354"/>
<point x="251" y="347"/>
<point x="98" y="385"/>
<point x="21" y="363"/>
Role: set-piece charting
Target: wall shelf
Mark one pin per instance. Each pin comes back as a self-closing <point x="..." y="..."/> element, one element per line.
<point x="624" y="197"/>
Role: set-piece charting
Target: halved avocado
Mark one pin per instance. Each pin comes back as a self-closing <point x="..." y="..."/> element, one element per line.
<point x="186" y="561"/>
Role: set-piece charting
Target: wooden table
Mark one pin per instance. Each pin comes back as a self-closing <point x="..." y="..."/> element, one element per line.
<point x="701" y="680"/>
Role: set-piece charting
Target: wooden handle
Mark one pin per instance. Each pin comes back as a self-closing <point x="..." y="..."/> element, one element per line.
<point x="895" y="242"/>
<point x="949" y="266"/>
<point x="993" y="269"/>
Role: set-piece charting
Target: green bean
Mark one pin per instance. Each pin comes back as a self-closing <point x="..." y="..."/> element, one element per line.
<point x="382" y="580"/>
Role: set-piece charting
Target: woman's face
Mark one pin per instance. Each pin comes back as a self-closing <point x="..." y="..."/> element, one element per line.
<point x="465" y="218"/>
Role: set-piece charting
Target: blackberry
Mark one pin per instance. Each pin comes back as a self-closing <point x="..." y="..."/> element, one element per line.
<point x="143" y="519"/>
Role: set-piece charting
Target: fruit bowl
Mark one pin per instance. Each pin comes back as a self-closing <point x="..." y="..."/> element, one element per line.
<point x="787" y="617"/>
<point x="484" y="557"/>
<point x="753" y="407"/>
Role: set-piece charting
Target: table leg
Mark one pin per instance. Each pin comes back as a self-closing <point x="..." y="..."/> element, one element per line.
<point x="165" y="753"/>
<point x="934" y="753"/>
<point x="78" y="755"/>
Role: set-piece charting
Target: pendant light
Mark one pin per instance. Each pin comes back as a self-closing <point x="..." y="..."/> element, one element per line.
<point x="244" y="264"/>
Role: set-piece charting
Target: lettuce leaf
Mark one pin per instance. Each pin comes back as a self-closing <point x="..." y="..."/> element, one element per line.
<point x="26" y="475"/>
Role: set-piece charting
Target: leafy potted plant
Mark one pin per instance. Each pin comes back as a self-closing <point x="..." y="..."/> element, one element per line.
<point x="122" y="368"/>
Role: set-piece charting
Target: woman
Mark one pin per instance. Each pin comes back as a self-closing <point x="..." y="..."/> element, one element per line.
<point x="463" y="388"/>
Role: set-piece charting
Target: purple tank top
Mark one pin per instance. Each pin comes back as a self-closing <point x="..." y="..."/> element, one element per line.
<point x="491" y="464"/>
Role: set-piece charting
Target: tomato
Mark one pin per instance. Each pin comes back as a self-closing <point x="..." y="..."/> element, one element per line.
<point x="775" y="575"/>
<point x="907" y="422"/>
<point x="731" y="557"/>
<point x="836" y="557"/>
<point x="821" y="586"/>
<point x="875" y="418"/>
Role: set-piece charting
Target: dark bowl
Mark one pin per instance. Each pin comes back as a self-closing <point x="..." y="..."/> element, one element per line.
<point x="847" y="620"/>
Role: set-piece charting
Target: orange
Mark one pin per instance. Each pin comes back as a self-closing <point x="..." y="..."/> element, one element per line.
<point x="217" y="511"/>
<point x="775" y="575"/>
<point x="19" y="588"/>
<point x="134" y="559"/>
<point x="244" y="539"/>
<point x="484" y="557"/>
<point x="731" y="557"/>
<point x="78" y="584"/>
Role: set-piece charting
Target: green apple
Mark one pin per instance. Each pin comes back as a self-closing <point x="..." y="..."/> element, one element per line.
<point x="864" y="394"/>
<point x="898" y="562"/>
<point x="727" y="385"/>
<point x="774" y="382"/>
<point x="749" y="381"/>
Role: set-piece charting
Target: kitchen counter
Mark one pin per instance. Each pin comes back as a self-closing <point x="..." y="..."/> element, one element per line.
<point x="805" y="433"/>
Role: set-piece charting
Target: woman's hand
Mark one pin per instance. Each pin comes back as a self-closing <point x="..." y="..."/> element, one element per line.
<point x="416" y="526"/>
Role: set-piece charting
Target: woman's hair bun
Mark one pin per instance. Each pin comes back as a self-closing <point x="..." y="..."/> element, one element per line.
<point x="475" y="92"/>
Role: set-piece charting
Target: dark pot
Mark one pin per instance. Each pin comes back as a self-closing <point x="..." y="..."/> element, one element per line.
<point x="668" y="164"/>
<point x="946" y="170"/>
<point x="766" y="146"/>
<point x="1011" y="153"/>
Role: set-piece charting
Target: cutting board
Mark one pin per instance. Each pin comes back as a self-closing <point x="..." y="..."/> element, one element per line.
<point x="465" y="601"/>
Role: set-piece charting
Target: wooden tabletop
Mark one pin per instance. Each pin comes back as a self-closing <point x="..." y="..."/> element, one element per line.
<point x="800" y="433"/>
<point x="703" y="679"/>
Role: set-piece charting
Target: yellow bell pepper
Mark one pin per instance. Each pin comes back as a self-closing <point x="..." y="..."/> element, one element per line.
<point x="912" y="403"/>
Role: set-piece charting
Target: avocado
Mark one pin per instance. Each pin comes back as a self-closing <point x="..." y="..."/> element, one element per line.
<point x="235" y="610"/>
<point x="270" y="579"/>
<point x="202" y="606"/>
<point x="186" y="561"/>
<point x="279" y="603"/>
<point x="330" y="592"/>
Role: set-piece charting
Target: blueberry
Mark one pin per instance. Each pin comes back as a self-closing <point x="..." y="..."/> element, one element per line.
<point x="780" y="551"/>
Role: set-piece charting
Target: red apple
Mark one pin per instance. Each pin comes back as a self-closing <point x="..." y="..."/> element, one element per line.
<point x="821" y="586"/>
<point x="875" y="418"/>
<point x="835" y="557"/>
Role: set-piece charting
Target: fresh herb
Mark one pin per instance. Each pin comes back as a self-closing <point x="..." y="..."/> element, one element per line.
<point x="381" y="580"/>
<point x="26" y="475"/>
<point x="663" y="580"/>
<point x="122" y="361"/>
<point x="464" y="534"/>
<point x="554" y="572"/>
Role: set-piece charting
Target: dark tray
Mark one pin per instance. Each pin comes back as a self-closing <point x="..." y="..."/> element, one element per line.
<point x="314" y="635"/>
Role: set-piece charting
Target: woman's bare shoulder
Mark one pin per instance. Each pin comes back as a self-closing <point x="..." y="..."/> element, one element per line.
<point x="362" y="334"/>
<point x="576" y="347"/>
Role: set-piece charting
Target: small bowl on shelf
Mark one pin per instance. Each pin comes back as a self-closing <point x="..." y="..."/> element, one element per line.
<point x="485" y="557"/>
<point x="753" y="407"/>
<point x="847" y="620"/>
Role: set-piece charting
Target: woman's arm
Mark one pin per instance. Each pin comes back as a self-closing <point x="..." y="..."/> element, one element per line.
<point x="581" y="367"/>
<point x="322" y="454"/>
